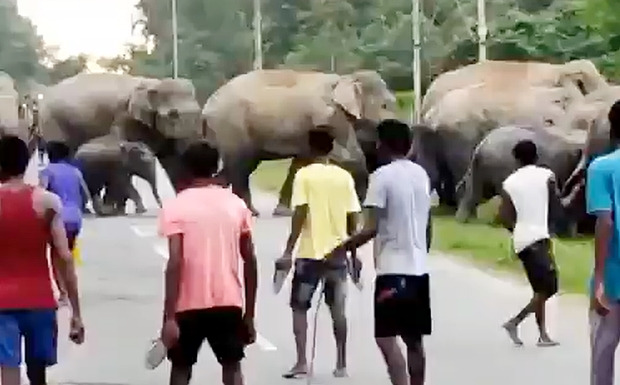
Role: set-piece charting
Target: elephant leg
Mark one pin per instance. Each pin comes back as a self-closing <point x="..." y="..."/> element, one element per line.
<point x="238" y="173"/>
<point x="284" y="203"/>
<point x="471" y="198"/>
<point x="133" y="194"/>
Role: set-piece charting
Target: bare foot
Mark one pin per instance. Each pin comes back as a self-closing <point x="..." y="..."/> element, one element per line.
<point x="513" y="333"/>
<point x="340" y="373"/>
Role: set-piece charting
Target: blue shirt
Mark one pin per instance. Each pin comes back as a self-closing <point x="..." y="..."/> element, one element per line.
<point x="603" y="195"/>
<point x="64" y="181"/>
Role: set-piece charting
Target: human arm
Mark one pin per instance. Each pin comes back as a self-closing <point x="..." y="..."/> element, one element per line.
<point x="507" y="212"/>
<point x="170" y="226"/>
<point x="556" y="211"/>
<point x="299" y="201"/>
<point x="250" y="275"/>
<point x="599" y="202"/>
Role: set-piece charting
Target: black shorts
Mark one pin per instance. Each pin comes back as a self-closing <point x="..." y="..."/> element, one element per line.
<point x="540" y="268"/>
<point x="222" y="327"/>
<point x="402" y="306"/>
<point x="308" y="273"/>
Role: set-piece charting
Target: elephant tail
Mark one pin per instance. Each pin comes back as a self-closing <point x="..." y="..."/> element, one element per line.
<point x="462" y="184"/>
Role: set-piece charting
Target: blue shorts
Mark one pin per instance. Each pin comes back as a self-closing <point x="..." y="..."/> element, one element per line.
<point x="39" y="330"/>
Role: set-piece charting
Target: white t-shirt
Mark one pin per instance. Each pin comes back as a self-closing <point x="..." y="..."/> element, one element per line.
<point x="528" y="189"/>
<point x="401" y="192"/>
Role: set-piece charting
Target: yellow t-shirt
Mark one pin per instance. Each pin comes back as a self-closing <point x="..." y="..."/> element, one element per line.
<point x="329" y="192"/>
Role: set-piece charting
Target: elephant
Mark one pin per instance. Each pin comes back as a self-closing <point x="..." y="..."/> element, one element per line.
<point x="9" y="102"/>
<point x="593" y="118"/>
<point x="492" y="162"/>
<point x="110" y="163"/>
<point x="161" y="113"/>
<point x="266" y="114"/>
<point x="578" y="76"/>
<point x="463" y="116"/>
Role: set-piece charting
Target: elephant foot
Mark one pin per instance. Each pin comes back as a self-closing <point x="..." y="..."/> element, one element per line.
<point x="282" y="211"/>
<point x="462" y="216"/>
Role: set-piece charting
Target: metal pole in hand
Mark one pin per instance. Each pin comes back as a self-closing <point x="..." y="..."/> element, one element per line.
<point x="258" y="36"/>
<point x="417" y="72"/>
<point x="175" y="43"/>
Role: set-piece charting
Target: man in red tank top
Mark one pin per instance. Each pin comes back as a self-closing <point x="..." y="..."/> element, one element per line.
<point x="30" y="219"/>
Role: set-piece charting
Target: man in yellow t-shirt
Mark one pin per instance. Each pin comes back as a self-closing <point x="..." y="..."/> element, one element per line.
<point x="325" y="205"/>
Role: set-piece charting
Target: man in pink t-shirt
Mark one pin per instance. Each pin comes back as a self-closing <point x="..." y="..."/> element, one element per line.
<point x="209" y="233"/>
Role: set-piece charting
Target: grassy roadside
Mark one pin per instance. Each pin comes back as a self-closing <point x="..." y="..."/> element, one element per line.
<point x="478" y="242"/>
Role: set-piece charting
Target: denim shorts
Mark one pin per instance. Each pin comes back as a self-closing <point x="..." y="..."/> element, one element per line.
<point x="39" y="331"/>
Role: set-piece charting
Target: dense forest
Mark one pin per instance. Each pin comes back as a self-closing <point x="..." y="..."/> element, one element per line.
<point x="215" y="38"/>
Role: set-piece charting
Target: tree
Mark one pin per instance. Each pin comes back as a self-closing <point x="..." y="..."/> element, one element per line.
<point x="62" y="69"/>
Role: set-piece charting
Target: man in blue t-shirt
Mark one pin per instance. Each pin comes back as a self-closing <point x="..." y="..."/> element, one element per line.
<point x="603" y="201"/>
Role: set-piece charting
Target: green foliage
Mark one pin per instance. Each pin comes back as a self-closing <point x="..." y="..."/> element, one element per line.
<point x="62" y="69"/>
<point x="344" y="35"/>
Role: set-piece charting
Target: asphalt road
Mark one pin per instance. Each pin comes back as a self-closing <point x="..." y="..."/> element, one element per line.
<point x="121" y="286"/>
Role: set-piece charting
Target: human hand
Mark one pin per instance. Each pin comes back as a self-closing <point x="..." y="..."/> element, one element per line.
<point x="170" y="333"/>
<point x="249" y="331"/>
<point x="600" y="304"/>
<point x="76" y="330"/>
<point x="285" y="262"/>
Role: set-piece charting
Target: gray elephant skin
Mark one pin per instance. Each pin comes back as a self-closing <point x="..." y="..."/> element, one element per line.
<point x="266" y="115"/>
<point x="162" y="113"/>
<point x="492" y="162"/>
<point x="107" y="162"/>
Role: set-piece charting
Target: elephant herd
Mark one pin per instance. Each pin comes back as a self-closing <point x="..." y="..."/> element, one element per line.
<point x="121" y="125"/>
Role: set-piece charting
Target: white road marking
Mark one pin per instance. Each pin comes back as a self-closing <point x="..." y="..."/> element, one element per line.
<point x="144" y="231"/>
<point x="162" y="251"/>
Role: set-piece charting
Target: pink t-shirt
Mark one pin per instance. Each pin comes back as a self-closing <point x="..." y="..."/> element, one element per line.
<point x="212" y="220"/>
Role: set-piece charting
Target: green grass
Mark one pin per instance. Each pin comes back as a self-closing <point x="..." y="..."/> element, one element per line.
<point x="479" y="241"/>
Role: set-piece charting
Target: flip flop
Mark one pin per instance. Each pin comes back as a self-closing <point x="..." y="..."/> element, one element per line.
<point x="547" y="344"/>
<point x="295" y="374"/>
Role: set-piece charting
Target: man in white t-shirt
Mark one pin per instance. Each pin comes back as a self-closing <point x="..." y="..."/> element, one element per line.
<point x="397" y="215"/>
<point x="527" y="195"/>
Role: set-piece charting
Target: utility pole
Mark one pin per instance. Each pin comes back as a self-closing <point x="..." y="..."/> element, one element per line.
<point x="258" y="36"/>
<point x="482" y="31"/>
<point x="175" y="42"/>
<point x="417" y="72"/>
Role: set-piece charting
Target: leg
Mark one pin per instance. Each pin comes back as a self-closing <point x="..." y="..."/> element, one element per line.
<point x="238" y="171"/>
<point x="136" y="198"/>
<point x="305" y="281"/>
<point x="10" y="348"/>
<point x="224" y="330"/>
<point x="284" y="203"/>
<point x="469" y="194"/>
<point x="335" y="297"/>
<point x="40" y="330"/>
<point x="416" y="360"/>
<point x="604" y="338"/>
<point x="184" y="355"/>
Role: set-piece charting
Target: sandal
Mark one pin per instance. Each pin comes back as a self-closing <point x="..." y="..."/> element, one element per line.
<point x="295" y="374"/>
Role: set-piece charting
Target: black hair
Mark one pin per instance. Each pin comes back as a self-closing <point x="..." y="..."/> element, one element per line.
<point x="614" y="121"/>
<point x="14" y="156"/>
<point x="395" y="136"/>
<point x="525" y="152"/>
<point x="57" y="151"/>
<point x="200" y="160"/>
<point x="321" y="141"/>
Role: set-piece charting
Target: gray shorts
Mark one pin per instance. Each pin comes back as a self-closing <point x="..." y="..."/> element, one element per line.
<point x="308" y="273"/>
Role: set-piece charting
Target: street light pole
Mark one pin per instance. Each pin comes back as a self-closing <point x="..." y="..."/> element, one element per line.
<point x="258" y="36"/>
<point x="175" y="42"/>
<point x="417" y="72"/>
<point x="482" y="31"/>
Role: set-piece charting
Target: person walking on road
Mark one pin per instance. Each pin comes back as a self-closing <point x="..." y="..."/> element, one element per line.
<point x="66" y="181"/>
<point x="602" y="198"/>
<point x="325" y="205"/>
<point x="397" y="214"/>
<point x="30" y="218"/>
<point x="209" y="233"/>
<point x="529" y="197"/>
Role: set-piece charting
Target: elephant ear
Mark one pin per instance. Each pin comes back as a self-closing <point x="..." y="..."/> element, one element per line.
<point x="347" y="94"/>
<point x="143" y="101"/>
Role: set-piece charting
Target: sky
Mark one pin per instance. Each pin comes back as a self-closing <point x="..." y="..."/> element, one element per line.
<point x="99" y="28"/>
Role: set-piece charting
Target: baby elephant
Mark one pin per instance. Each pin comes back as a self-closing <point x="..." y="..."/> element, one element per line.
<point x="110" y="163"/>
